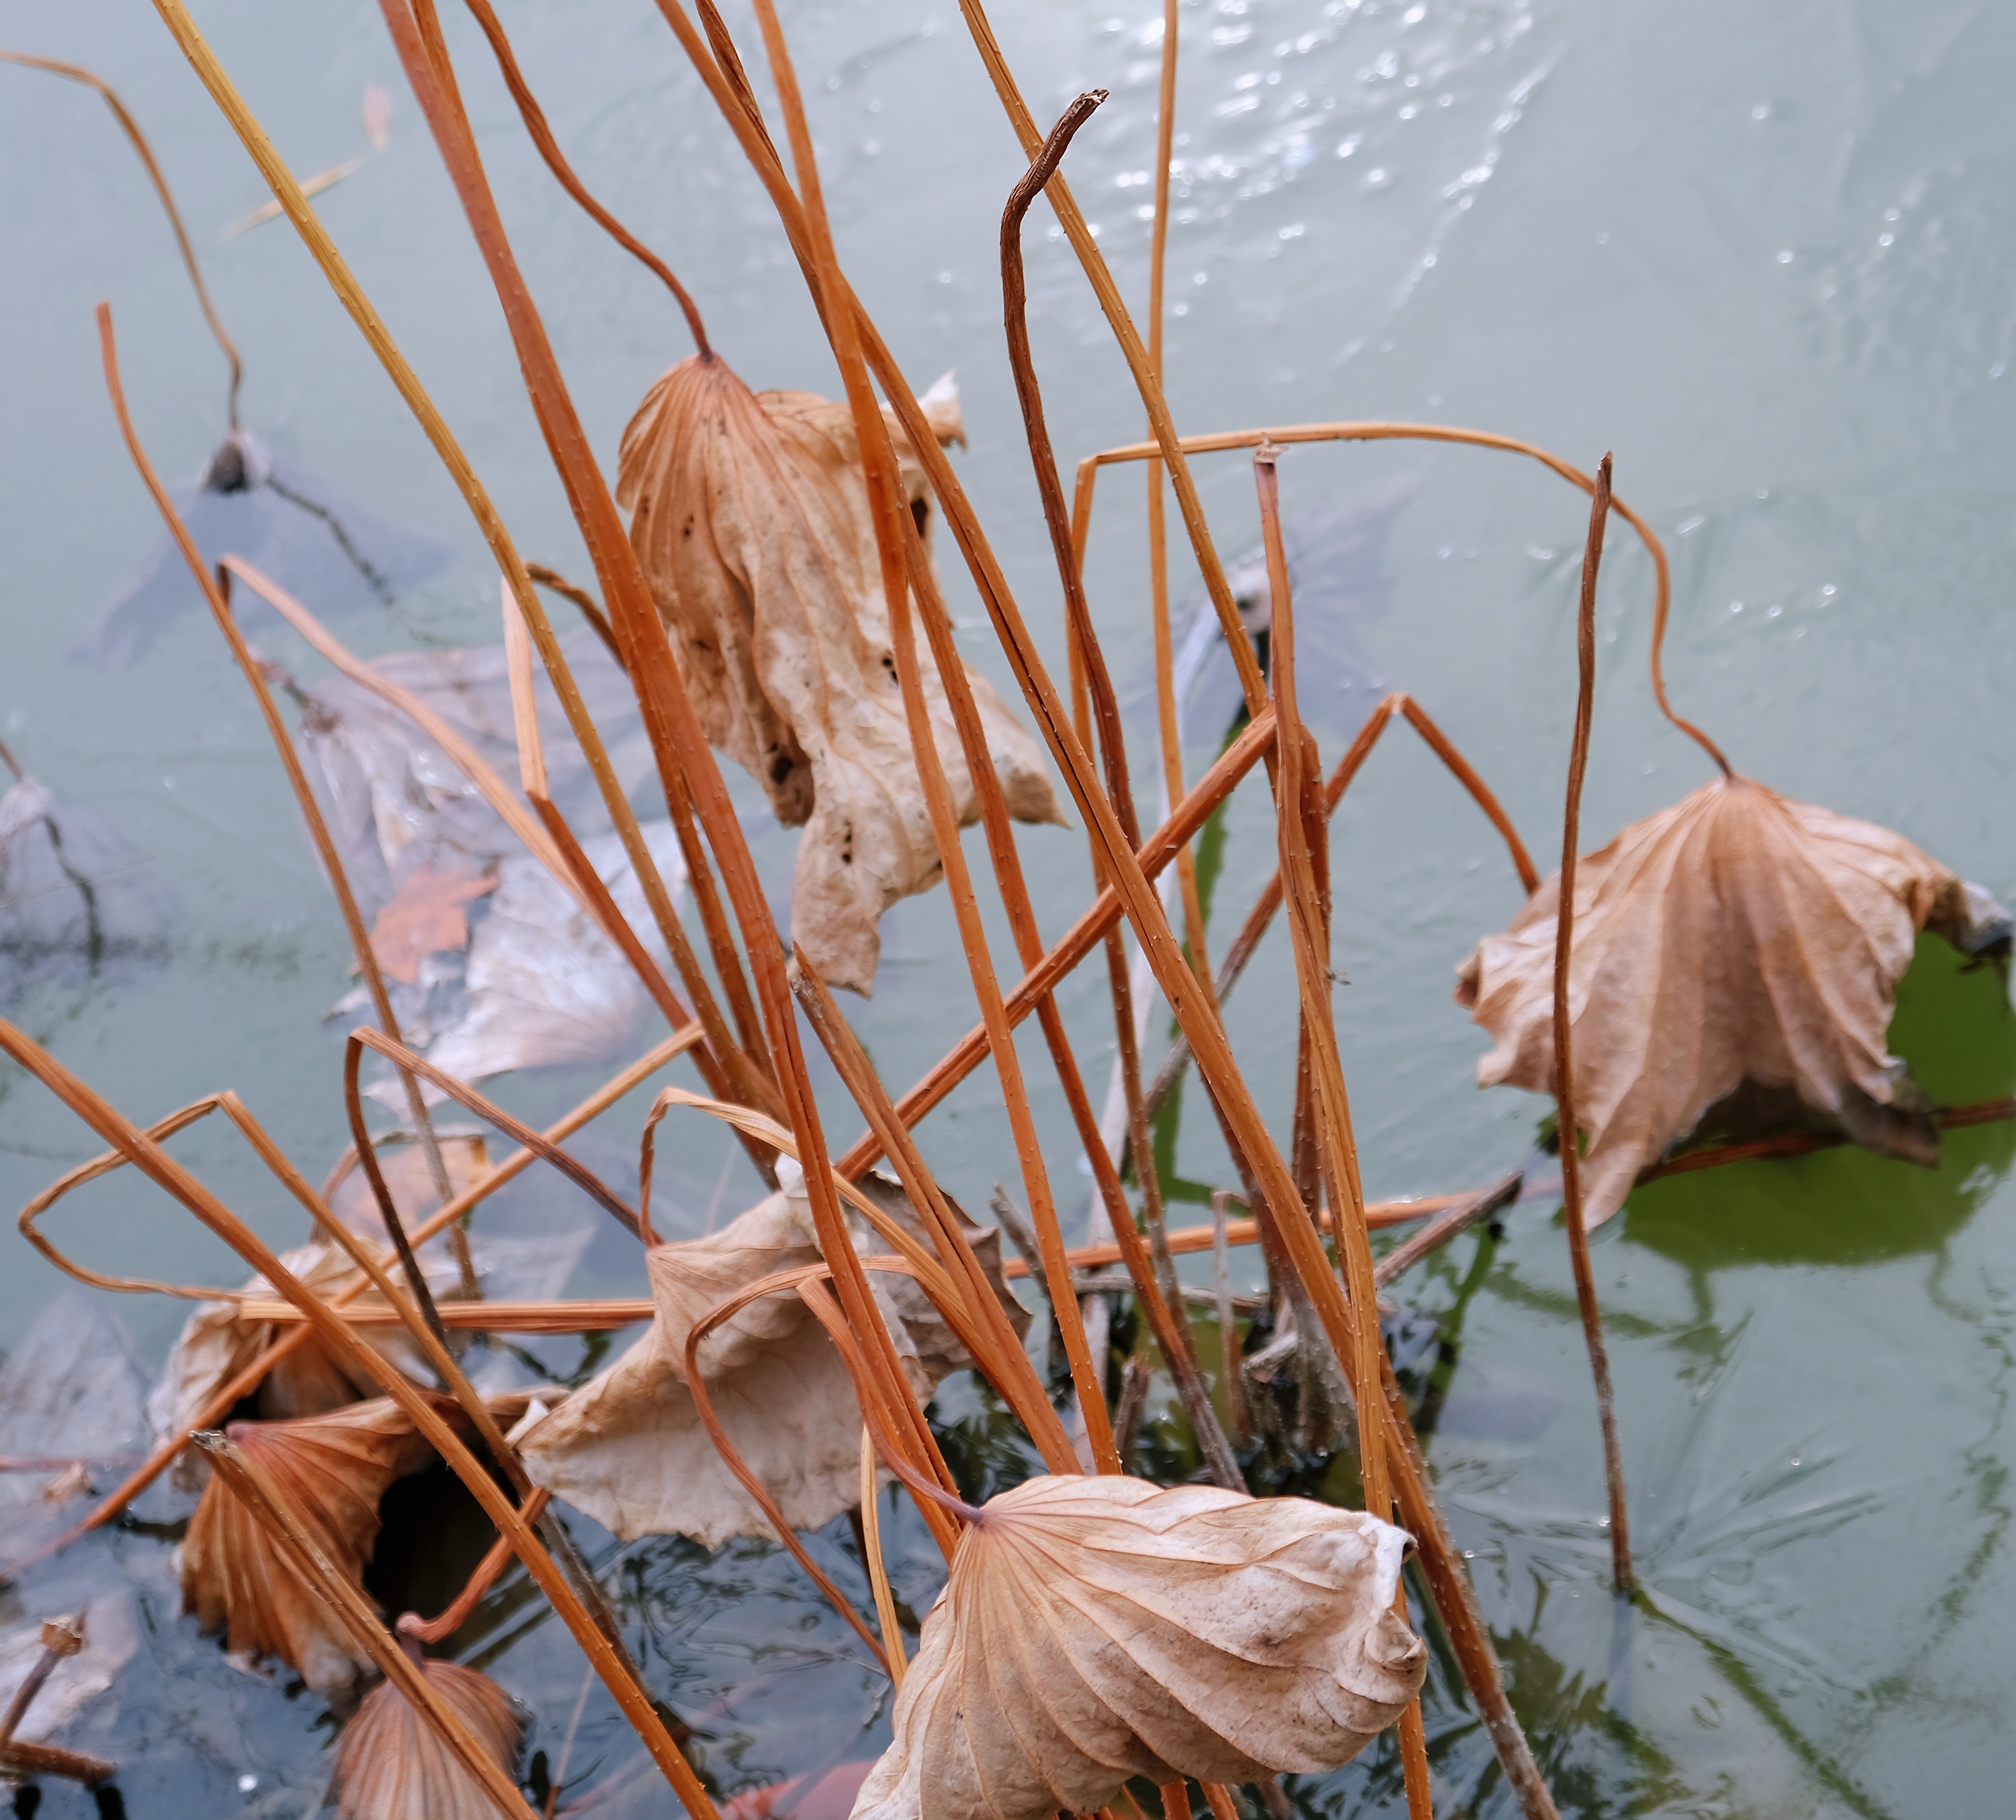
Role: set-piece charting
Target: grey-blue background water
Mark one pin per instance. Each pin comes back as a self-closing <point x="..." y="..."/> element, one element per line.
<point x="1764" y="254"/>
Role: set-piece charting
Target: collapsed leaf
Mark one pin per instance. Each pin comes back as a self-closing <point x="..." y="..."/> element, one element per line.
<point x="392" y="1764"/>
<point x="429" y="914"/>
<point x="1096" y="1629"/>
<point x="1737" y="940"/>
<point x="751" y="520"/>
<point x="332" y="1470"/>
<point x="629" y="1448"/>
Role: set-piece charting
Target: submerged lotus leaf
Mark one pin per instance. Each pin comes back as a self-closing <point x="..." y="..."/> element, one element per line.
<point x="1096" y="1629"/>
<point x="1738" y="940"/>
<point x="751" y="523"/>
<point x="392" y="1764"/>
<point x="629" y="1448"/>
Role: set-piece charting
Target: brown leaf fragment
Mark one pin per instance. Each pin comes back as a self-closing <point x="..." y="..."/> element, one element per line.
<point x="429" y="914"/>
<point x="629" y="1448"/>
<point x="1737" y="941"/>
<point x="1096" y="1629"/>
<point x="392" y="1764"/>
<point x="750" y="520"/>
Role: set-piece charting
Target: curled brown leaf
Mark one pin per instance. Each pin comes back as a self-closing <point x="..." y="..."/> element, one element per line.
<point x="392" y="1764"/>
<point x="750" y="517"/>
<point x="1097" y="1629"/>
<point x="1736" y="940"/>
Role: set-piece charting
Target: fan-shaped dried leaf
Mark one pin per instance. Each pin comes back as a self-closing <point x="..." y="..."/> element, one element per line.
<point x="751" y="522"/>
<point x="628" y="1447"/>
<point x="1737" y="939"/>
<point x="392" y="1764"/>
<point x="332" y="1470"/>
<point x="1096" y="1629"/>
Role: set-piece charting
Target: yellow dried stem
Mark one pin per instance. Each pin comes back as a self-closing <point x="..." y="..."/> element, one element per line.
<point x="878" y="1569"/>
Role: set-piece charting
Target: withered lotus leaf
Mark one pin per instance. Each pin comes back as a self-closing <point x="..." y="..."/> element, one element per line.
<point x="332" y="1470"/>
<point x="629" y="1448"/>
<point x="1096" y="1629"/>
<point x="1738" y="940"/>
<point x="392" y="1764"/>
<point x="750" y="520"/>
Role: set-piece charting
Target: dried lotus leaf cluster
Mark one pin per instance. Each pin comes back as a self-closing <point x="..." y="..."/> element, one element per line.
<point x="1094" y="1630"/>
<point x="629" y="1448"/>
<point x="1738" y="937"/>
<point x="750" y="520"/>
<point x="392" y="1765"/>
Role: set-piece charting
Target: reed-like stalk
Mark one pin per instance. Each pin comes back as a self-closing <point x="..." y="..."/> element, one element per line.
<point x="1565" y="1081"/>
<point x="878" y="1569"/>
<point x="1378" y="430"/>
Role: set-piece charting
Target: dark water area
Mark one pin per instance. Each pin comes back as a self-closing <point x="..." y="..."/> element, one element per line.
<point x="1763" y="254"/>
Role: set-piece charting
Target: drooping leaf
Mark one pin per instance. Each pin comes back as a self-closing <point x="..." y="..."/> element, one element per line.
<point x="391" y="1764"/>
<point x="750" y="520"/>
<point x="1096" y="1629"/>
<point x="429" y="913"/>
<point x="1738" y="940"/>
<point x="629" y="1448"/>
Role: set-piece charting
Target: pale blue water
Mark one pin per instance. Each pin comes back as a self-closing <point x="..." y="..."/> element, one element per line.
<point x="1764" y="254"/>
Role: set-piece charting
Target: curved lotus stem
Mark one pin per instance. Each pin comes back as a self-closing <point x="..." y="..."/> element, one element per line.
<point x="76" y="73"/>
<point x="535" y="118"/>
<point x="1377" y="430"/>
<point x="703" y="1406"/>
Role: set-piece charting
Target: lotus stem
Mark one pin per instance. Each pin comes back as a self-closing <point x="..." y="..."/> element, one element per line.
<point x="1464" y="1215"/>
<point x="878" y="1569"/>
<point x="61" y="1639"/>
<point x="1622" y="1581"/>
<point x="1376" y="430"/>
<point x="494" y="1561"/>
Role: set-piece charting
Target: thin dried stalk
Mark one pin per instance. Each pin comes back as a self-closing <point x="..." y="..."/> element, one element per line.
<point x="296" y="1545"/>
<point x="494" y="1561"/>
<point x="1375" y="430"/>
<point x="1230" y="1374"/>
<point x="1050" y="969"/>
<point x="1072" y="220"/>
<point x="731" y="1456"/>
<point x="248" y="1380"/>
<point x="1459" y="1218"/>
<point x="1261" y="915"/>
<point x="1158" y="541"/>
<point x="76" y="73"/>
<point x="288" y="192"/>
<point x="1178" y="1347"/>
<point x="1304" y="869"/>
<point x="535" y="118"/>
<point x="878" y="1571"/>
<point x="1565" y="1081"/>
<point x="1308" y="899"/>
<point x="330" y="1327"/>
<point x="577" y="1172"/>
<point x="721" y="943"/>
<point x="61" y="1639"/>
<point x="24" y="1759"/>
<point x="590" y="608"/>
<point x="360" y="937"/>
<point x="677" y="741"/>
<point x="1005" y="1363"/>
